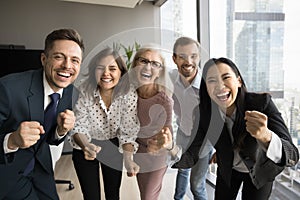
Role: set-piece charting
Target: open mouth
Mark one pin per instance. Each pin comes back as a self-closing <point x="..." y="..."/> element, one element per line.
<point x="64" y="74"/>
<point x="223" y="96"/>
<point x="188" y="67"/>
<point x="146" y="75"/>
<point x="106" y="80"/>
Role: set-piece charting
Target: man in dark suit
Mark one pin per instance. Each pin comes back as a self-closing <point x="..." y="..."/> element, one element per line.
<point x="25" y="161"/>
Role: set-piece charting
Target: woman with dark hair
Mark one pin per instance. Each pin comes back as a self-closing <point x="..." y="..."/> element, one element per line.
<point x="106" y="126"/>
<point x="252" y="142"/>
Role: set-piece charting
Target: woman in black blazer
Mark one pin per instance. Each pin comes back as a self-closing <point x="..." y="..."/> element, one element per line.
<point x="252" y="142"/>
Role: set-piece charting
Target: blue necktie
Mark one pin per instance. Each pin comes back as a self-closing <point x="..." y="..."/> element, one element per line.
<point x="50" y="113"/>
<point x="49" y="122"/>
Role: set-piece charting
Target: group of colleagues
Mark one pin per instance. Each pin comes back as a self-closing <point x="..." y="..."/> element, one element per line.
<point x="124" y="117"/>
<point x="127" y="116"/>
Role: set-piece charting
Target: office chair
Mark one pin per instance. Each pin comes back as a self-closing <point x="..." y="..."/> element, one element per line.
<point x="71" y="185"/>
<point x="56" y="153"/>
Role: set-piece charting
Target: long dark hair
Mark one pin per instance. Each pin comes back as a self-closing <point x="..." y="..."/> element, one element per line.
<point x="209" y="107"/>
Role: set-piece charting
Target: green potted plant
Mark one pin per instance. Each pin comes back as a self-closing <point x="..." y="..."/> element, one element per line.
<point x="128" y="51"/>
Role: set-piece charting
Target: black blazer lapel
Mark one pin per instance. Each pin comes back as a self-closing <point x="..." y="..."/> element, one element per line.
<point x="36" y="97"/>
<point x="224" y="155"/>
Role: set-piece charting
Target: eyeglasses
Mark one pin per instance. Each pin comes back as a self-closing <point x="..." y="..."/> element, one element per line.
<point x="144" y="62"/>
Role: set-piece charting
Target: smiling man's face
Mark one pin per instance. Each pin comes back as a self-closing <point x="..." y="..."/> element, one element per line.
<point x="187" y="60"/>
<point x="62" y="63"/>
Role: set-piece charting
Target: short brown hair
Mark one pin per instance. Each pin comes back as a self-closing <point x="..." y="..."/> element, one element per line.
<point x="182" y="41"/>
<point x="62" y="34"/>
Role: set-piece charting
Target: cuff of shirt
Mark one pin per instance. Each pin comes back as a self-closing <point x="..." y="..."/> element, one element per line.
<point x="172" y="159"/>
<point x="58" y="137"/>
<point x="134" y="144"/>
<point x="274" y="151"/>
<point x="5" y="147"/>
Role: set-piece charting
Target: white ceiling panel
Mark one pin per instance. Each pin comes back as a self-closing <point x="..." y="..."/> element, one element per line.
<point x="118" y="3"/>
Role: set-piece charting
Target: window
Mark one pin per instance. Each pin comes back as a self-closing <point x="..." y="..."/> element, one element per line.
<point x="262" y="38"/>
<point x="178" y="18"/>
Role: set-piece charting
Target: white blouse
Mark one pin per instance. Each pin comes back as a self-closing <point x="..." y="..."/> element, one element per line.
<point x="95" y="121"/>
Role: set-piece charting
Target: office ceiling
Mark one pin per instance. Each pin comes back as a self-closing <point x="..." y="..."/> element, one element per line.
<point x="119" y="3"/>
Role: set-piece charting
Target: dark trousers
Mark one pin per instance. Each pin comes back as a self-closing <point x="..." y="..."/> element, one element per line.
<point x="249" y="191"/>
<point x="88" y="175"/>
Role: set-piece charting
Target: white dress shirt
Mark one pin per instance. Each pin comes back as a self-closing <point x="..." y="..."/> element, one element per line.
<point x="187" y="96"/>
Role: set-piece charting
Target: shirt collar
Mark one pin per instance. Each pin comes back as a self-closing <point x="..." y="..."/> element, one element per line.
<point x="195" y="83"/>
<point x="97" y="93"/>
<point x="224" y="117"/>
<point x="47" y="89"/>
<point x="197" y="80"/>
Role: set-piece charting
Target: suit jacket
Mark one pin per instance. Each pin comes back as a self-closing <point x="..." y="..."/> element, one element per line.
<point x="22" y="99"/>
<point x="261" y="168"/>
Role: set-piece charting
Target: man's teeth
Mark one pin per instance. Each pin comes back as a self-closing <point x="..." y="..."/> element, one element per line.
<point x="64" y="74"/>
<point x="188" y="67"/>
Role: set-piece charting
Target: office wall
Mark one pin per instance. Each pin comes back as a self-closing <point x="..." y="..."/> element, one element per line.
<point x="27" y="22"/>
